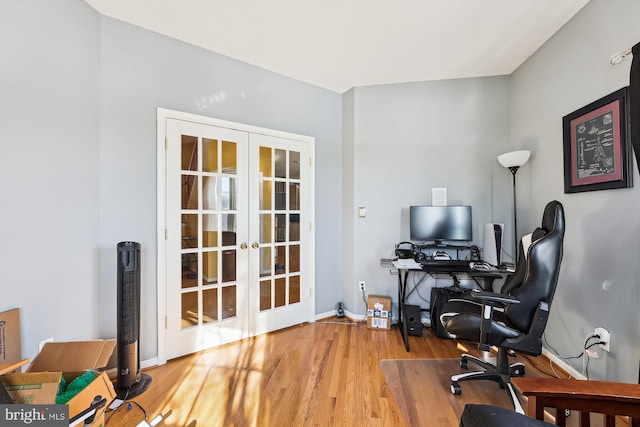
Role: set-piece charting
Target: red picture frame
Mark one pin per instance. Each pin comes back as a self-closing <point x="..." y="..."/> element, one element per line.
<point x="597" y="150"/>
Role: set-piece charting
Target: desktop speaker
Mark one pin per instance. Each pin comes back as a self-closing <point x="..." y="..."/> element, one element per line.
<point x="413" y="317"/>
<point x="493" y="243"/>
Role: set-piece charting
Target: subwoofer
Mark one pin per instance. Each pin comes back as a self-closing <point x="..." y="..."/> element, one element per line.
<point x="413" y="317"/>
<point x="130" y="382"/>
<point x="492" y="243"/>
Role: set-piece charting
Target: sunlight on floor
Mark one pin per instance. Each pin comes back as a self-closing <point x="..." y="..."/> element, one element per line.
<point x="226" y="385"/>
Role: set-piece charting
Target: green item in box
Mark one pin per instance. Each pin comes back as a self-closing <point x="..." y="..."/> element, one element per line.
<point x="75" y="387"/>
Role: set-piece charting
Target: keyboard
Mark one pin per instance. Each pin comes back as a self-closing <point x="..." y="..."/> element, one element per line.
<point x="445" y="265"/>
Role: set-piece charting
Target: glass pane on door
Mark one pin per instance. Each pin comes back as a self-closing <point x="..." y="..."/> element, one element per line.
<point x="208" y="218"/>
<point x="279" y="228"/>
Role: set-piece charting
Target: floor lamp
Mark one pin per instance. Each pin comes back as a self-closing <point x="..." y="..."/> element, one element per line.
<point x="512" y="161"/>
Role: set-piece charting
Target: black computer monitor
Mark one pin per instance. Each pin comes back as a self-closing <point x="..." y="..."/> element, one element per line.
<point x="440" y="223"/>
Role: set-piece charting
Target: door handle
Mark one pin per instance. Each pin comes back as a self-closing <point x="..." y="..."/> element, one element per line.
<point x="243" y="246"/>
<point x="255" y="245"/>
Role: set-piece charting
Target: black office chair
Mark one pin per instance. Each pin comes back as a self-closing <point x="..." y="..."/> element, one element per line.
<point x="466" y="302"/>
<point x="521" y="312"/>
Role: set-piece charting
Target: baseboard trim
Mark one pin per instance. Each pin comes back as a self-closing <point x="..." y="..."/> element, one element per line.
<point x="562" y="364"/>
<point x="347" y="313"/>
<point x="352" y="316"/>
<point x="149" y="363"/>
<point x="325" y="315"/>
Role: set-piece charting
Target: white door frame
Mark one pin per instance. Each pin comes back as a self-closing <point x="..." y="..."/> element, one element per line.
<point x="161" y="209"/>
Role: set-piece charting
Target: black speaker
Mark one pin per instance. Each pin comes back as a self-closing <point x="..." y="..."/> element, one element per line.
<point x="340" y="310"/>
<point x="130" y="382"/>
<point x="413" y="317"/>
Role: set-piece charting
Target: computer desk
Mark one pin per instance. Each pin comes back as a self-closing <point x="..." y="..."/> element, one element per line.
<point x="483" y="278"/>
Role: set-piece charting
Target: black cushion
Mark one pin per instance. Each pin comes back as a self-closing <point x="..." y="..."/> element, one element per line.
<point x="495" y="416"/>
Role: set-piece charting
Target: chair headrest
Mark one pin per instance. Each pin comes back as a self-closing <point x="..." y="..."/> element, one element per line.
<point x="553" y="217"/>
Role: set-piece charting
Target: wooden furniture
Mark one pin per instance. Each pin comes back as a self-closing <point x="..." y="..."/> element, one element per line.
<point x="599" y="397"/>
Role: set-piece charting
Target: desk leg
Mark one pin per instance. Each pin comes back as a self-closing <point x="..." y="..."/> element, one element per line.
<point x="402" y="288"/>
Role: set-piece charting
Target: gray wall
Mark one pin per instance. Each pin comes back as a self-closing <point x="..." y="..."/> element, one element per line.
<point x="142" y="70"/>
<point x="49" y="168"/>
<point x="600" y="276"/>
<point x="78" y="99"/>
<point x="409" y="138"/>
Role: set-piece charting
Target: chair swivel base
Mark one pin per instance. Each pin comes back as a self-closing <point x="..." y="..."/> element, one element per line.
<point x="515" y="369"/>
<point x="500" y="373"/>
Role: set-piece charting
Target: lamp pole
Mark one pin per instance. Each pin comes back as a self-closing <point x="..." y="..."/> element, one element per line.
<point x="513" y="170"/>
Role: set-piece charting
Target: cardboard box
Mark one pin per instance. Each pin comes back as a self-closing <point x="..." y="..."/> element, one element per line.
<point x="10" y="341"/>
<point x="32" y="388"/>
<point x="73" y="359"/>
<point x="70" y="360"/>
<point x="74" y="356"/>
<point x="379" y="312"/>
<point x="101" y="386"/>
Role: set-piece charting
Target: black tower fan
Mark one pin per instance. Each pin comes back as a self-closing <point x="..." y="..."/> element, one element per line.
<point x="130" y="382"/>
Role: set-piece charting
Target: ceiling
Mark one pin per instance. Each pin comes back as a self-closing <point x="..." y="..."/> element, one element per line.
<point x="340" y="44"/>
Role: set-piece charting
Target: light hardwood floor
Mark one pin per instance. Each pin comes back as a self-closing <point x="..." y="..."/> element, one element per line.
<point x="319" y="374"/>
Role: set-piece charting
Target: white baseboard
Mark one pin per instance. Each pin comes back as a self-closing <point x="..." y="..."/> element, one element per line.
<point x="325" y="315"/>
<point x="149" y="363"/>
<point x="347" y="313"/>
<point x="352" y="316"/>
<point x="562" y="364"/>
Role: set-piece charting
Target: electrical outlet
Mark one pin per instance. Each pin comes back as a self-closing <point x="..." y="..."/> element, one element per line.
<point x="362" y="286"/>
<point x="605" y="338"/>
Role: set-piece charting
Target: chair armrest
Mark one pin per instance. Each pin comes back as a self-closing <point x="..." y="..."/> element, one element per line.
<point x="494" y="297"/>
<point x="488" y="300"/>
<point x="608" y="398"/>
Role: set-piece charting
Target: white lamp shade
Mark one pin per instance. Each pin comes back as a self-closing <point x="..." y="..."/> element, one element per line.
<point x="514" y="158"/>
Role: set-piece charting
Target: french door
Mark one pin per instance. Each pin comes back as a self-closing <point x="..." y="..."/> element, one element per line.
<point x="280" y="167"/>
<point x="234" y="227"/>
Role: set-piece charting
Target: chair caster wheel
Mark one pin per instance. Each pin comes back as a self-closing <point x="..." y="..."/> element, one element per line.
<point x="518" y="372"/>
<point x="464" y="363"/>
<point x="455" y="389"/>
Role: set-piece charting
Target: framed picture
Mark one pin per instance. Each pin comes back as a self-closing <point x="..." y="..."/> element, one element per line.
<point x="597" y="150"/>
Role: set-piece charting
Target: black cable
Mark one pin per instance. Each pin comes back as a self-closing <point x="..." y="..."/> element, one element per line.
<point x="594" y="343"/>
<point x="544" y="338"/>
<point x="590" y="337"/>
<point x="586" y="346"/>
<point x="586" y="368"/>
<point x="364" y="319"/>
<point x="141" y="408"/>
<point x="416" y="285"/>
<point x="539" y="369"/>
<point x="129" y="407"/>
